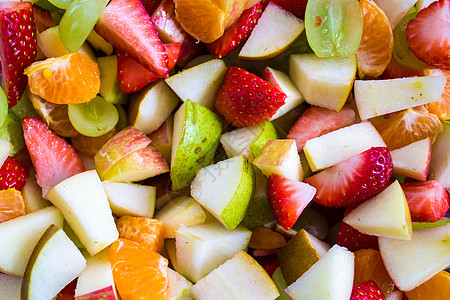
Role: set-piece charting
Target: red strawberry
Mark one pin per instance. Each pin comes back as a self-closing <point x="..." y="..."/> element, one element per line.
<point x="428" y="34"/>
<point x="12" y="174"/>
<point x="353" y="180"/>
<point x="133" y="76"/>
<point x="237" y="33"/>
<point x="244" y="99"/>
<point x="271" y="265"/>
<point x="295" y="7"/>
<point x="367" y="290"/>
<point x="43" y="19"/>
<point x="129" y="28"/>
<point x="317" y="121"/>
<point x="288" y="198"/>
<point x="53" y="158"/>
<point x="17" y="46"/>
<point x="428" y="201"/>
<point x="150" y="5"/>
<point x="68" y="292"/>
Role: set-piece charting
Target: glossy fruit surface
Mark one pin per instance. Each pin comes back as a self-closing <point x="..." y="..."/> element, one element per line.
<point x="436" y="288"/>
<point x="145" y="231"/>
<point x="11" y="204"/>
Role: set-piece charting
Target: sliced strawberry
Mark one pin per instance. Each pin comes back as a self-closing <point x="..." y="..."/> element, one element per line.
<point x="245" y="99"/>
<point x="428" y="34"/>
<point x="17" y="46"/>
<point x="43" y="19"/>
<point x="237" y="33"/>
<point x="150" y="5"/>
<point x="288" y="198"/>
<point x="295" y="7"/>
<point x="271" y="265"/>
<point x="129" y="28"/>
<point x="353" y="180"/>
<point x="53" y="158"/>
<point x="68" y="292"/>
<point x="133" y="76"/>
<point x="428" y="201"/>
<point x="12" y="174"/>
<point x="367" y="290"/>
<point x="317" y="121"/>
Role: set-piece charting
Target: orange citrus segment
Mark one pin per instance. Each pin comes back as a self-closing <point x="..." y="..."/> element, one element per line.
<point x="377" y="41"/>
<point x="11" y="204"/>
<point x="369" y="265"/>
<point x="71" y="78"/>
<point x="436" y="288"/>
<point x="139" y="273"/>
<point x="89" y="145"/>
<point x="441" y="108"/>
<point x="409" y="126"/>
<point x="145" y="231"/>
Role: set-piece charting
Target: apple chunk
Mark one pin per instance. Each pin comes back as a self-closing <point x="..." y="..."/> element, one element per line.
<point x="413" y="160"/>
<point x="440" y="158"/>
<point x="10" y="287"/>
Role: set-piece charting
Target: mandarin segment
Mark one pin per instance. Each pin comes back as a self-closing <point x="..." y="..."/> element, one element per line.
<point x="11" y="204"/>
<point x="139" y="273"/>
<point x="436" y="288"/>
<point x="145" y="231"/>
<point x="71" y="78"/>
<point x="441" y="108"/>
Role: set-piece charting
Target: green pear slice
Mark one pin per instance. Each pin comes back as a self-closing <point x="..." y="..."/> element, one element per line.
<point x="200" y="82"/>
<point x="385" y="214"/>
<point x="202" y="248"/>
<point x="196" y="133"/>
<point x="440" y="158"/>
<point x="275" y="31"/>
<point x="179" y="287"/>
<point x="109" y="84"/>
<point x="5" y="150"/>
<point x="10" y="287"/>
<point x="279" y="281"/>
<point x="324" y="82"/>
<point x="379" y="97"/>
<point x="411" y="263"/>
<point x="240" y="277"/>
<point x="54" y="263"/>
<point x="20" y="236"/>
<point x="329" y="278"/>
<point x="181" y="210"/>
<point x="225" y="189"/>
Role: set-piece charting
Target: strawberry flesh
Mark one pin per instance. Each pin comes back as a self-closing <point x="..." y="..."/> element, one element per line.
<point x="367" y="290"/>
<point x="53" y="158"/>
<point x="245" y="99"/>
<point x="428" y="34"/>
<point x="353" y="180"/>
<point x="150" y="5"/>
<point x="288" y="198"/>
<point x="237" y="33"/>
<point x="317" y="121"/>
<point x="133" y="76"/>
<point x="12" y="174"/>
<point x="17" y="46"/>
<point x="427" y="201"/>
<point x="129" y="28"/>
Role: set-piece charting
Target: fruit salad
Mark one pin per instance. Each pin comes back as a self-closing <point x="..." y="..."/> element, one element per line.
<point x="233" y="149"/>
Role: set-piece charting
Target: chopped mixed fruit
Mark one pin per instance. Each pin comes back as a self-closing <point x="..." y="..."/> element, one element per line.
<point x="233" y="149"/>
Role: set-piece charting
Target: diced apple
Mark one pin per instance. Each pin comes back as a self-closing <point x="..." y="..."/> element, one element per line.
<point x="151" y="106"/>
<point x="32" y="194"/>
<point x="324" y="82"/>
<point x="240" y="277"/>
<point x="385" y="214"/>
<point x="395" y="10"/>
<point x="10" y="287"/>
<point x="413" y="160"/>
<point x="130" y="198"/>
<point x="22" y="235"/>
<point x="50" y="43"/>
<point x="339" y="145"/>
<point x="162" y="138"/>
<point x="411" y="263"/>
<point x="199" y="83"/>
<point x="5" y="150"/>
<point x="83" y="201"/>
<point x="379" y="97"/>
<point x="280" y="157"/>
<point x="440" y="158"/>
<point x="275" y="31"/>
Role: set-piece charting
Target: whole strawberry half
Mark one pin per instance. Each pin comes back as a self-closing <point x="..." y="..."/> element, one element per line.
<point x="367" y="290"/>
<point x="245" y="99"/>
<point x="53" y="158"/>
<point x="353" y="180"/>
<point x="17" y="46"/>
<point x="12" y="174"/>
<point x="133" y="76"/>
<point x="428" y="34"/>
<point x="288" y="198"/>
<point x="427" y="201"/>
<point x="237" y="33"/>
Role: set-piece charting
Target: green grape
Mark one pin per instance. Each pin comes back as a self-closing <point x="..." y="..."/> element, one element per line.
<point x="333" y="27"/>
<point x="63" y="4"/>
<point x="12" y="132"/>
<point x="402" y="52"/>
<point x="426" y="225"/>
<point x="45" y="4"/>
<point x="78" y="21"/>
<point x="3" y="107"/>
<point x="93" y="118"/>
<point x="123" y="117"/>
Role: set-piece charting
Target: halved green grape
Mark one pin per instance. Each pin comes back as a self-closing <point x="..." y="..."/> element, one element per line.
<point x="78" y="21"/>
<point x="63" y="4"/>
<point x="12" y="132"/>
<point x="333" y="27"/>
<point x="402" y="52"/>
<point x="93" y="118"/>
<point x="3" y="107"/>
